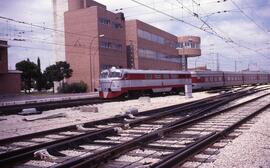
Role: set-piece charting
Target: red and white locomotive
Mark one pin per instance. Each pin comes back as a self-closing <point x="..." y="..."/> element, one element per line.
<point x="117" y="82"/>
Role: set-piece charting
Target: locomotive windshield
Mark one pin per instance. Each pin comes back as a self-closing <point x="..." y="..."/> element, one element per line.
<point x="112" y="73"/>
<point x="115" y="74"/>
<point x="104" y="74"/>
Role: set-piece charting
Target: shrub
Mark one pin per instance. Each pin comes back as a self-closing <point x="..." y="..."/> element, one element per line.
<point x="79" y="87"/>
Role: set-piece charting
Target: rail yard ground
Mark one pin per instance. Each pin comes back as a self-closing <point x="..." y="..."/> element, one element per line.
<point x="250" y="146"/>
<point x="15" y="125"/>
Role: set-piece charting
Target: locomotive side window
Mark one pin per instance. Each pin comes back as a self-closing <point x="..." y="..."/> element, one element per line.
<point x="165" y="76"/>
<point x="157" y="76"/>
<point x="148" y="76"/>
<point x="174" y="76"/>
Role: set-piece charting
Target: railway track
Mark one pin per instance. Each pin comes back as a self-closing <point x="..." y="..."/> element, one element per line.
<point x="42" y="106"/>
<point x="49" y="105"/>
<point x="97" y="137"/>
<point x="172" y="146"/>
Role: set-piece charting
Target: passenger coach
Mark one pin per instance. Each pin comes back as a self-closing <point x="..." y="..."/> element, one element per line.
<point x="215" y="79"/>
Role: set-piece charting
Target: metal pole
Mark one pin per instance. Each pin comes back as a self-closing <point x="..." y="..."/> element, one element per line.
<point x="91" y="62"/>
<point x="217" y="62"/>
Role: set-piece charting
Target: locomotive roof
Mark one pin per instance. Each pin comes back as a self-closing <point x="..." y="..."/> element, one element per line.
<point x="136" y="71"/>
<point x="206" y="72"/>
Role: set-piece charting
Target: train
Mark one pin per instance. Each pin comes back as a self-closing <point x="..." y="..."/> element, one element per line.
<point x="202" y="80"/>
<point x="116" y="82"/>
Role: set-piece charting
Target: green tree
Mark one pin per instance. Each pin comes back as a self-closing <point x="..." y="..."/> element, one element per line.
<point x="57" y="72"/>
<point x="40" y="78"/>
<point x="29" y="73"/>
<point x="64" y="70"/>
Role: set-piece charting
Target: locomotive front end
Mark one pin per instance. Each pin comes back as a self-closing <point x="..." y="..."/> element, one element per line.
<point x="110" y="83"/>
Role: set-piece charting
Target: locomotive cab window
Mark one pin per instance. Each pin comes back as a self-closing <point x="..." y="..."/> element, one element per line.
<point x="115" y="74"/>
<point x="104" y="74"/>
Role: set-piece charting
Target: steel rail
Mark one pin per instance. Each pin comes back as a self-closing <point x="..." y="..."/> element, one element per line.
<point x="94" y="161"/>
<point x="115" y="118"/>
<point x="107" y="120"/>
<point x="15" y="154"/>
<point x="42" y="106"/>
<point x="179" y="157"/>
<point x="27" y="153"/>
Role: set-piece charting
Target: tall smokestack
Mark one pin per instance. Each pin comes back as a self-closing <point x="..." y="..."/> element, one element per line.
<point x="59" y="7"/>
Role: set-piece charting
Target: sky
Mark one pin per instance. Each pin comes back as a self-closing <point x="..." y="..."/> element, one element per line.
<point x="234" y="33"/>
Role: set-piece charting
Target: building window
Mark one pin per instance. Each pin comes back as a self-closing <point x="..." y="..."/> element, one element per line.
<point x="107" y="66"/>
<point x="117" y="46"/>
<point x="150" y="54"/>
<point x="116" y="25"/>
<point x="103" y="44"/>
<point x="151" y="37"/>
<point x="104" y="21"/>
<point x="188" y="45"/>
<point x="110" y="45"/>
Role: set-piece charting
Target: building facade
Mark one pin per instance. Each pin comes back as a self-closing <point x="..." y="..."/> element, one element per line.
<point x="188" y="46"/>
<point x="98" y="39"/>
<point x="152" y="48"/>
<point x="10" y="81"/>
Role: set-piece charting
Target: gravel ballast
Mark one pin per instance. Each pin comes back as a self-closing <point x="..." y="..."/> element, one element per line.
<point x="251" y="149"/>
<point x="15" y="125"/>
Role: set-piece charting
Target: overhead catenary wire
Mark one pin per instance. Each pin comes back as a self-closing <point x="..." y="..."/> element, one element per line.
<point x="180" y="20"/>
<point x="196" y="15"/>
<point x="252" y="20"/>
<point x="199" y="28"/>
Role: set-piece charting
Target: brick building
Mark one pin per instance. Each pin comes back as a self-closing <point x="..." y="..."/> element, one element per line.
<point x="10" y="81"/>
<point x="156" y="49"/>
<point x="101" y="45"/>
<point x="97" y="39"/>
